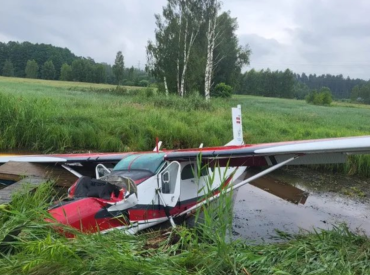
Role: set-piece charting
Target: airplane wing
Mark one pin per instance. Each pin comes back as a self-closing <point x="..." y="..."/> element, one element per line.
<point x="65" y="158"/>
<point x="320" y="151"/>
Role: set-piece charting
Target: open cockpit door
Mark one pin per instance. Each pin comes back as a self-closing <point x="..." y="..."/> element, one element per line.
<point x="169" y="184"/>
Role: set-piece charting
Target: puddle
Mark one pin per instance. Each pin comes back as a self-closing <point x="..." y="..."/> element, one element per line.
<point x="257" y="213"/>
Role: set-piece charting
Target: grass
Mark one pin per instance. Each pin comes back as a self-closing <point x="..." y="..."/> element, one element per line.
<point x="38" y="249"/>
<point x="57" y="116"/>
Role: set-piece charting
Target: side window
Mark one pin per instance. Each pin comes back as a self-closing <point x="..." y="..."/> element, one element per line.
<point x="188" y="172"/>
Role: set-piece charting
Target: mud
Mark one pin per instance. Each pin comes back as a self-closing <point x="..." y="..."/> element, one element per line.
<point x="333" y="199"/>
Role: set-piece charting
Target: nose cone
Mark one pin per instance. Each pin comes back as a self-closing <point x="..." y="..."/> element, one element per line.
<point x="88" y="215"/>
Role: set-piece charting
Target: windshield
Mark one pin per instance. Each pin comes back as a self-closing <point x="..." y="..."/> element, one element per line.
<point x="150" y="162"/>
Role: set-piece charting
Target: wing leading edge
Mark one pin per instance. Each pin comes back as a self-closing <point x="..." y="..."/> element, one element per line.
<point x="65" y="158"/>
<point x="320" y="151"/>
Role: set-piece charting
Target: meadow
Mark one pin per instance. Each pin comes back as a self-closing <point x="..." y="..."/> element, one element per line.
<point x="52" y="116"/>
<point x="56" y="116"/>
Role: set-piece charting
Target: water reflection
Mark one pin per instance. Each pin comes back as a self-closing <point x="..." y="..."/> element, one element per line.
<point x="257" y="213"/>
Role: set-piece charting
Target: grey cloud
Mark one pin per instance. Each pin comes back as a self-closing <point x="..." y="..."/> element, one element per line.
<point x="89" y="28"/>
<point x="312" y="36"/>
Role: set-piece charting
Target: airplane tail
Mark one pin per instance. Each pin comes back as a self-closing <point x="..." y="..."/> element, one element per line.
<point x="237" y="126"/>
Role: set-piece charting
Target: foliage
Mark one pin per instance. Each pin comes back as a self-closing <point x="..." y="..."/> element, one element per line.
<point x="361" y="93"/>
<point x="20" y="53"/>
<point x="341" y="87"/>
<point x="118" y="67"/>
<point x="85" y="70"/>
<point x="166" y="54"/>
<point x="230" y="56"/>
<point x="66" y="72"/>
<point x="300" y="90"/>
<point x="8" y="69"/>
<point x="222" y="90"/>
<point x="323" y="97"/>
<point x="143" y="83"/>
<point x="48" y="70"/>
<point x="268" y="83"/>
<point x="32" y="69"/>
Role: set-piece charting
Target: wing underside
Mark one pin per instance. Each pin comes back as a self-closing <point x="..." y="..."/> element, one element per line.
<point x="321" y="151"/>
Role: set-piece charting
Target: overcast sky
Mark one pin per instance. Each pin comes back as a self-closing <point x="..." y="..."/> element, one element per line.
<point x="312" y="36"/>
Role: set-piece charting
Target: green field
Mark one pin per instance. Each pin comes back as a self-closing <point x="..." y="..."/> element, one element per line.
<point x="56" y="116"/>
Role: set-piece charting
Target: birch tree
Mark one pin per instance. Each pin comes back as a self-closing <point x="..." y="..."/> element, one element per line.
<point x="176" y="32"/>
<point x="194" y="47"/>
<point x="212" y="7"/>
<point x="191" y="16"/>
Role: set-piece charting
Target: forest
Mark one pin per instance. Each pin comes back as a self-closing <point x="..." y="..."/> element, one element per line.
<point x="42" y="61"/>
<point x="195" y="51"/>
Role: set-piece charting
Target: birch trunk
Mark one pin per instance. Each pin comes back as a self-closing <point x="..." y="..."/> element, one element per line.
<point x="165" y="85"/>
<point x="211" y="37"/>
<point x="185" y="63"/>
<point x="178" y="56"/>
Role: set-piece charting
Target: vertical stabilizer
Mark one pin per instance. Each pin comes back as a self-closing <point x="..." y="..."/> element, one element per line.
<point x="237" y="126"/>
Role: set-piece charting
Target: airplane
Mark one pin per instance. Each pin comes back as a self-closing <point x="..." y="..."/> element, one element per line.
<point x="137" y="190"/>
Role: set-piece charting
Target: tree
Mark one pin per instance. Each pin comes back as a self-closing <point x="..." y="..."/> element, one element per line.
<point x="178" y="56"/>
<point x="78" y="70"/>
<point x="20" y="53"/>
<point x="323" y="97"/>
<point x="326" y="96"/>
<point x="32" y="69"/>
<point x="175" y="36"/>
<point x="66" y="72"/>
<point x="222" y="90"/>
<point x="229" y="56"/>
<point x="212" y="7"/>
<point x="8" y="69"/>
<point x="48" y="70"/>
<point x="100" y="75"/>
<point x="118" y="67"/>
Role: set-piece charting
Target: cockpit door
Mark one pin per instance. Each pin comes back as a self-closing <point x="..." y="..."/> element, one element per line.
<point x="169" y="183"/>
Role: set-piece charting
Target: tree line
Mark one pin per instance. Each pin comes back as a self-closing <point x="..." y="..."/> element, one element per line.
<point x="267" y="83"/>
<point x="340" y="87"/>
<point x="361" y="93"/>
<point x="55" y="63"/>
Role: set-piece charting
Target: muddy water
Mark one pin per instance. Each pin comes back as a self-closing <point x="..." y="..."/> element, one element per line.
<point x="257" y="213"/>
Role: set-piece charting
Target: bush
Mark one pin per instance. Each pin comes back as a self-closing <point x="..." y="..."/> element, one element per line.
<point x="143" y="83"/>
<point x="149" y="92"/>
<point x="129" y="83"/>
<point x="323" y="97"/>
<point x="222" y="90"/>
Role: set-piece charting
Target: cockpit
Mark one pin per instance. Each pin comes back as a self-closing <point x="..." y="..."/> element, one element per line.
<point x="151" y="162"/>
<point x="139" y="166"/>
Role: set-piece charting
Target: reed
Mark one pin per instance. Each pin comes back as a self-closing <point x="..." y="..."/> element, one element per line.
<point x="36" y="248"/>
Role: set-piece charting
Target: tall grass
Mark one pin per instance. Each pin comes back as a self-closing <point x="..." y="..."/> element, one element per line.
<point x="36" y="248"/>
<point x="55" y="116"/>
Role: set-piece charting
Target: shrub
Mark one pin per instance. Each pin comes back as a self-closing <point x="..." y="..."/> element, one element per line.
<point x="222" y="90"/>
<point x="143" y="83"/>
<point x="323" y="97"/>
